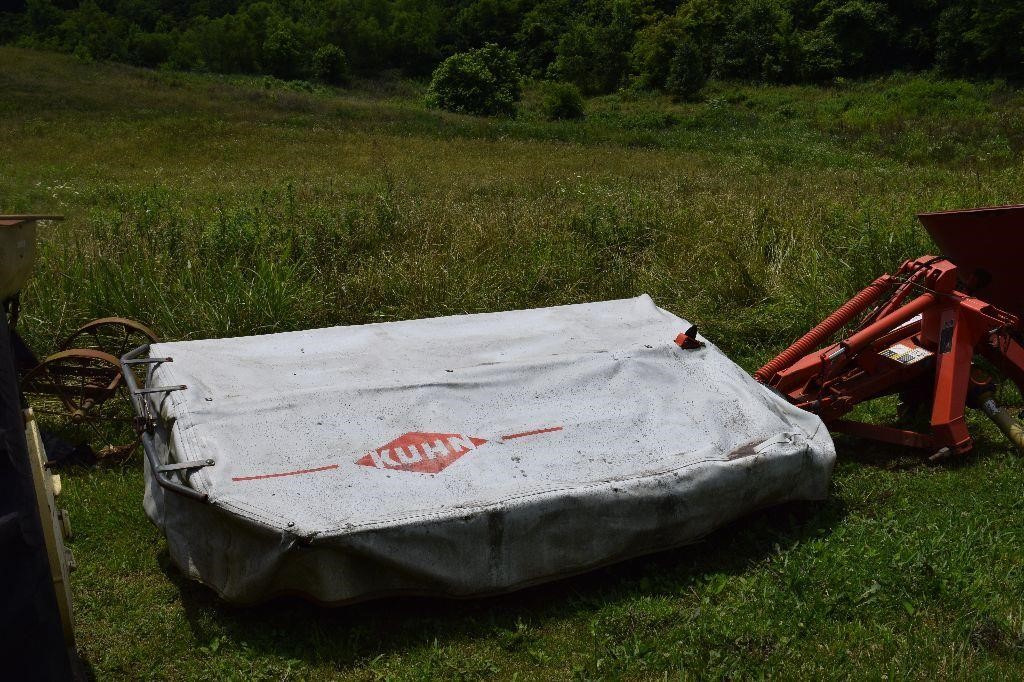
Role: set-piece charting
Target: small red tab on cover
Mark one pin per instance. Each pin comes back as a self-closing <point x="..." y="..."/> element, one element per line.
<point x="688" y="340"/>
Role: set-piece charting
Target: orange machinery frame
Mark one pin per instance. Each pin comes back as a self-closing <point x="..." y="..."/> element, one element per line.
<point x="919" y="335"/>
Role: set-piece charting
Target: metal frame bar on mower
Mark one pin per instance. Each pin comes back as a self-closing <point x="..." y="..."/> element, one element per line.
<point x="154" y="432"/>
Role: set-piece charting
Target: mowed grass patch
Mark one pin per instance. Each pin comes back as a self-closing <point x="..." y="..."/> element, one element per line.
<point x="212" y="206"/>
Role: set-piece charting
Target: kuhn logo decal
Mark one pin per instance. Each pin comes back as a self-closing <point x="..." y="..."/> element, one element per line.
<point x="426" y="453"/>
<point x="419" y="451"/>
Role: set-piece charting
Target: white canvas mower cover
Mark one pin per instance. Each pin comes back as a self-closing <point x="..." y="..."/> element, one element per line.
<point x="457" y="456"/>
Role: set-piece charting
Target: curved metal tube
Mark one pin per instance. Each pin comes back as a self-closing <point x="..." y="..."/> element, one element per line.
<point x="150" y="425"/>
<point x="1007" y="425"/>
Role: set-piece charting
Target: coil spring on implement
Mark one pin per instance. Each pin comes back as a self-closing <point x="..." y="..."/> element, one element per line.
<point x="826" y="328"/>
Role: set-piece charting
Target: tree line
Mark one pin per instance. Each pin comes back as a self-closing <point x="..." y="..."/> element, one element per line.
<point x="596" y="45"/>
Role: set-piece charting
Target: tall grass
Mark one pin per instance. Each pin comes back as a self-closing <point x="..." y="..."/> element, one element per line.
<point x="208" y="207"/>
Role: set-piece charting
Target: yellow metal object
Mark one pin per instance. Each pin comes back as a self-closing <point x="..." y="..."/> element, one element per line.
<point x="55" y="525"/>
<point x="1010" y="427"/>
<point x="17" y="254"/>
<point x="17" y="250"/>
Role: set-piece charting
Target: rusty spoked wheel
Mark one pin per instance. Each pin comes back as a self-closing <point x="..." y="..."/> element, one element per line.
<point x="81" y="380"/>
<point x="73" y="382"/>
<point x="112" y="335"/>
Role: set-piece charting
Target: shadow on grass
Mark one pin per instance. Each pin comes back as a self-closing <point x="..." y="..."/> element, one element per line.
<point x="900" y="458"/>
<point x="879" y="455"/>
<point x="349" y="635"/>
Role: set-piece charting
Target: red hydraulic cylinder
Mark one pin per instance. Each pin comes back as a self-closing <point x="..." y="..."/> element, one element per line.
<point x="870" y="333"/>
<point x="825" y="329"/>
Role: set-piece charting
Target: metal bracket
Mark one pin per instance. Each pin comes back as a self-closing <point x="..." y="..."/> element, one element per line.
<point x="146" y="361"/>
<point x="192" y="464"/>
<point x="159" y="389"/>
<point x="150" y="427"/>
<point x="148" y="420"/>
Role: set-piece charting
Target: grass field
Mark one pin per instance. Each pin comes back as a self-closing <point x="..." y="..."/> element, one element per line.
<point x="209" y="206"/>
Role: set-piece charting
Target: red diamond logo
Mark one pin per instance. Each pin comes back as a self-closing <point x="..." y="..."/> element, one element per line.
<point x="426" y="453"/>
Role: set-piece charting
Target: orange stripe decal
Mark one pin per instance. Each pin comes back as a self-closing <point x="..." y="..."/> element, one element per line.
<point x="531" y="433"/>
<point x="284" y="473"/>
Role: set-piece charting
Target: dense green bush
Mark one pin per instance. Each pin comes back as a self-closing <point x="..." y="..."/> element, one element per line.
<point x="484" y="81"/>
<point x="561" y="101"/>
<point x="686" y="75"/>
<point x="982" y="37"/>
<point x="593" y="54"/>
<point x="758" y="42"/>
<point x="854" y="38"/>
<point x="151" y="49"/>
<point x="653" y="50"/>
<point x="282" y="52"/>
<point x="330" y="65"/>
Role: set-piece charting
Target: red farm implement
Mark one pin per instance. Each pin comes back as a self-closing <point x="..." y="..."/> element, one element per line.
<point x="928" y="333"/>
